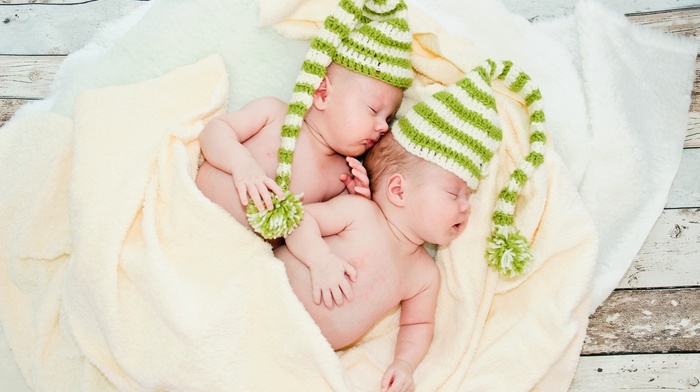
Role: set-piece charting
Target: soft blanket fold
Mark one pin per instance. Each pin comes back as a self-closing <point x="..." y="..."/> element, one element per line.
<point x="116" y="273"/>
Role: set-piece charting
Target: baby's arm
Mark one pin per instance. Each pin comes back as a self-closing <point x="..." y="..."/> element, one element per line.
<point x="417" y="323"/>
<point x="221" y="143"/>
<point x="329" y="273"/>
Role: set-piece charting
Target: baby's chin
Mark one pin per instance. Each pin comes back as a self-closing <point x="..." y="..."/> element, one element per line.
<point x="352" y="151"/>
<point x="447" y="238"/>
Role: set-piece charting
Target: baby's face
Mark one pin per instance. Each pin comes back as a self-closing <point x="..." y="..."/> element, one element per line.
<point x="359" y="113"/>
<point x="440" y="202"/>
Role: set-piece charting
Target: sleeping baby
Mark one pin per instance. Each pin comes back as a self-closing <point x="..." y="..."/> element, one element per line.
<point x="421" y="174"/>
<point x="415" y="201"/>
<point x="344" y="99"/>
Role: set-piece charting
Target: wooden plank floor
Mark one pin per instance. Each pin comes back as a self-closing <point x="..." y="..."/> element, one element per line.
<point x="646" y="336"/>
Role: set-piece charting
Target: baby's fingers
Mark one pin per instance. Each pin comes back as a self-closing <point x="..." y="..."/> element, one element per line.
<point x="327" y="298"/>
<point x="399" y="384"/>
<point x="265" y="195"/>
<point x="316" y="295"/>
<point x="274" y="187"/>
<point x="363" y="191"/>
<point x="351" y="272"/>
<point x="346" y="290"/>
<point x="386" y="380"/>
<point x="242" y="193"/>
<point x="360" y="175"/>
<point x="346" y="179"/>
<point x="337" y="296"/>
<point x="254" y="193"/>
<point x="353" y="162"/>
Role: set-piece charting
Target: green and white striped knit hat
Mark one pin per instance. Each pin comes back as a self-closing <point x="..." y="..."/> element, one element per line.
<point x="369" y="37"/>
<point x="459" y="130"/>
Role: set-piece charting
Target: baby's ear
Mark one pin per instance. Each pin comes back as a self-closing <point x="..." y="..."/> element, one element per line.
<point x="321" y="93"/>
<point x="395" y="190"/>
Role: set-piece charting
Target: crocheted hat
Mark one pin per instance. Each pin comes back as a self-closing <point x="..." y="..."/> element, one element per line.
<point x="459" y="130"/>
<point x="370" y="37"/>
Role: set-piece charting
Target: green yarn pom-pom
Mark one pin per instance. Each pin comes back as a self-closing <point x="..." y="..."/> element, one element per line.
<point x="281" y="220"/>
<point x="509" y="252"/>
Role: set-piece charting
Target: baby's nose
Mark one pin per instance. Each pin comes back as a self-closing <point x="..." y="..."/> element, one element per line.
<point x="465" y="207"/>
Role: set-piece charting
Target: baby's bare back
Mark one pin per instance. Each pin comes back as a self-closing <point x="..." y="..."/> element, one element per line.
<point x="385" y="276"/>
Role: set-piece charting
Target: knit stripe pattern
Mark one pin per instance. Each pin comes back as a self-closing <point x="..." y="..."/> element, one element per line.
<point x="370" y="37"/>
<point x="382" y="47"/>
<point x="459" y="129"/>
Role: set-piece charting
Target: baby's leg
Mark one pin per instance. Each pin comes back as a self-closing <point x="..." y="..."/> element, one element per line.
<point x="218" y="187"/>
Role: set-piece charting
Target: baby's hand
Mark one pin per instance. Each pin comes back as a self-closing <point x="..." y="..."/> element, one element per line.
<point x="398" y="377"/>
<point x="356" y="183"/>
<point x="250" y="180"/>
<point x="330" y="281"/>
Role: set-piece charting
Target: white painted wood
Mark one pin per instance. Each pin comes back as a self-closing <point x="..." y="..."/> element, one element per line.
<point x="548" y="9"/>
<point x="671" y="372"/>
<point x="682" y="22"/>
<point x="46" y="2"/>
<point x="27" y="77"/>
<point x="30" y="28"/>
<point x="693" y="136"/>
<point x="670" y="256"/>
<point x="685" y="189"/>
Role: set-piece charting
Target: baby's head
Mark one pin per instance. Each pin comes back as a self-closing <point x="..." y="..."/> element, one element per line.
<point x="458" y="130"/>
<point x="352" y="111"/>
<point x="388" y="157"/>
<point x="361" y="89"/>
<point x="370" y="37"/>
<point x="431" y="203"/>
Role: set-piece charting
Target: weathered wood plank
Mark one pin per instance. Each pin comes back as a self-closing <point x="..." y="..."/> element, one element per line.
<point x="27" y="77"/>
<point x="670" y="255"/>
<point x="549" y="9"/>
<point x="685" y="189"/>
<point x="56" y="27"/>
<point x="680" y="22"/>
<point x="43" y="2"/>
<point x="692" y="138"/>
<point x="645" y="321"/>
<point x="613" y="373"/>
<point x="8" y="107"/>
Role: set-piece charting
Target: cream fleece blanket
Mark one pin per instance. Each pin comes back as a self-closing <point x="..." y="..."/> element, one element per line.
<point x="116" y="273"/>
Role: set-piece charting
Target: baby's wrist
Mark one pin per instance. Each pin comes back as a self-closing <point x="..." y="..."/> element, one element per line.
<point x="408" y="365"/>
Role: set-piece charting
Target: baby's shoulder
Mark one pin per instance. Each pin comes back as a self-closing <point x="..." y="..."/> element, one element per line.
<point x="270" y="104"/>
<point x="425" y="267"/>
<point x="357" y="203"/>
<point x="422" y="278"/>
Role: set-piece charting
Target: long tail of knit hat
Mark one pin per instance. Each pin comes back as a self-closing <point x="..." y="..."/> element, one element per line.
<point x="459" y="130"/>
<point x="370" y="37"/>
